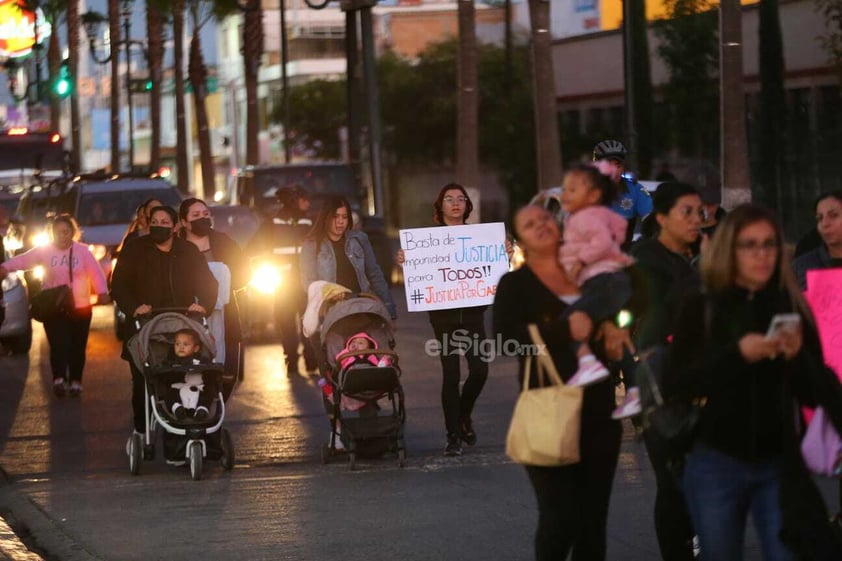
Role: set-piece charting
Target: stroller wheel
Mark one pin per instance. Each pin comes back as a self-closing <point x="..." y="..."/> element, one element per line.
<point x="352" y="461"/>
<point x="402" y="457"/>
<point x="135" y="453"/>
<point x="227" y="446"/>
<point x="194" y="453"/>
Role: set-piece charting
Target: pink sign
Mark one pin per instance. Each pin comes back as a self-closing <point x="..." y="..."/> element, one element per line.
<point x="824" y="294"/>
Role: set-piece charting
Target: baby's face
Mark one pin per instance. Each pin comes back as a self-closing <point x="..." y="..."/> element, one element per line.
<point x="185" y="346"/>
<point x="359" y="344"/>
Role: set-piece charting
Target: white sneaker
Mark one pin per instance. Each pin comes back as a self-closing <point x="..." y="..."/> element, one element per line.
<point x="338" y="445"/>
<point x="590" y="372"/>
<point x="630" y="407"/>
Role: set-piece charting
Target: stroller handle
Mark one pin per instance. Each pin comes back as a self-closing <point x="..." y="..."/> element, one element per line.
<point x="375" y="352"/>
<point x="139" y="320"/>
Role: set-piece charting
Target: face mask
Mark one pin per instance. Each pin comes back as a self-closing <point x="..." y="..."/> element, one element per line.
<point x="160" y="234"/>
<point x="201" y="226"/>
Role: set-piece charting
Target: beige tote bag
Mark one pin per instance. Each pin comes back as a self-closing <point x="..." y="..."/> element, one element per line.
<point x="545" y="424"/>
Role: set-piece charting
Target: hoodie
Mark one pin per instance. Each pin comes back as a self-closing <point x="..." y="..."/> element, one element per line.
<point x="593" y="236"/>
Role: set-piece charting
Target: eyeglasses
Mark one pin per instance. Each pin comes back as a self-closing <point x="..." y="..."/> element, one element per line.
<point x="688" y="211"/>
<point x="755" y="247"/>
<point x="452" y="200"/>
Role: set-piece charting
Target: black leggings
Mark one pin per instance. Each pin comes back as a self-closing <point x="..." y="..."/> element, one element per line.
<point x="573" y="500"/>
<point x="68" y="338"/>
<point x="457" y="406"/>
<point x="672" y="518"/>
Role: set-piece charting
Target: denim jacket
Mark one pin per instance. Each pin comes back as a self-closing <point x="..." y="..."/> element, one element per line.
<point x="358" y="249"/>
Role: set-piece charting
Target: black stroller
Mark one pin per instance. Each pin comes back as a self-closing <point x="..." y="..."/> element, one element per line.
<point x="150" y="350"/>
<point x="368" y="428"/>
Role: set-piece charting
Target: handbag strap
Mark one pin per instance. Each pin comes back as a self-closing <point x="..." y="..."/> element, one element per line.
<point x="546" y="366"/>
<point x="70" y="264"/>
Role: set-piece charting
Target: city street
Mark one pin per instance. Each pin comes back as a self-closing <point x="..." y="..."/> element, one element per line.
<point x="70" y="491"/>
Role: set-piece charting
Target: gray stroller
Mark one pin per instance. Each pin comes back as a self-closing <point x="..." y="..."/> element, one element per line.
<point x="369" y="430"/>
<point x="150" y="350"/>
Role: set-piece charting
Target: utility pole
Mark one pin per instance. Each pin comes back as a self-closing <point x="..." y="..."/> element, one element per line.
<point x="467" y="156"/>
<point x="736" y="181"/>
<point x="630" y="85"/>
<point x="285" y="81"/>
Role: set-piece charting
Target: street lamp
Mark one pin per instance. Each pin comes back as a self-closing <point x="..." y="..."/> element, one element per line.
<point x="92" y="22"/>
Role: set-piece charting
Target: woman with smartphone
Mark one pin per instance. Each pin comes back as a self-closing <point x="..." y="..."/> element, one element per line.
<point x="746" y="455"/>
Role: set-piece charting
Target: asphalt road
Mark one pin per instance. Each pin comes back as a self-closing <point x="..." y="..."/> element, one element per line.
<point x="72" y="497"/>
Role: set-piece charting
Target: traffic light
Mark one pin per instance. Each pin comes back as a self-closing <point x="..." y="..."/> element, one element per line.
<point x="141" y="85"/>
<point x="63" y="85"/>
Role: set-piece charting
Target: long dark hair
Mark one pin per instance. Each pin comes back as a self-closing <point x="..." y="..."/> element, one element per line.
<point x="330" y="205"/>
<point x="836" y="194"/>
<point x="607" y="190"/>
<point x="438" y="214"/>
<point x="184" y="208"/>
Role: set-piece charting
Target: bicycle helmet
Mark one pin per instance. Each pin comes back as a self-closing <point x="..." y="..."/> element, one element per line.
<point x="609" y="148"/>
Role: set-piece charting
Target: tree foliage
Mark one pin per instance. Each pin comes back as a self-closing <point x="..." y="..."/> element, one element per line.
<point x="689" y="47"/>
<point x="418" y="104"/>
<point x="831" y="41"/>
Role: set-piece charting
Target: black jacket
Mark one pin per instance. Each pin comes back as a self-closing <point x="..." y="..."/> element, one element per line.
<point x="666" y="277"/>
<point x="752" y="409"/>
<point x="146" y="275"/>
<point x="817" y="258"/>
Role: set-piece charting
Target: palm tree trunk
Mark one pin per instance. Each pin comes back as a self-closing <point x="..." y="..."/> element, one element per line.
<point x="198" y="73"/>
<point x="252" y="52"/>
<point x="53" y="64"/>
<point x="73" y="62"/>
<point x="154" y="31"/>
<point x="736" y="180"/>
<point x="548" y="145"/>
<point x="467" y="154"/>
<point x="114" y="30"/>
<point x="182" y="159"/>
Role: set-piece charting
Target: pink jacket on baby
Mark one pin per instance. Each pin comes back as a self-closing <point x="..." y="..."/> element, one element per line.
<point x="593" y="237"/>
<point x="373" y="359"/>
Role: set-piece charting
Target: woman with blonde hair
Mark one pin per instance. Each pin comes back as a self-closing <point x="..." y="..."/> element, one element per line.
<point x="745" y="458"/>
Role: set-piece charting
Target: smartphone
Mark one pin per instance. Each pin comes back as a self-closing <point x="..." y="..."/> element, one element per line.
<point x="783" y="322"/>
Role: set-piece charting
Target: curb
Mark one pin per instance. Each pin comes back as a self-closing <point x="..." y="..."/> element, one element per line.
<point x="49" y="538"/>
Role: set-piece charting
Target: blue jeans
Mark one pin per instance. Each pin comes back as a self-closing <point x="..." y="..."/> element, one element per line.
<point x="721" y="491"/>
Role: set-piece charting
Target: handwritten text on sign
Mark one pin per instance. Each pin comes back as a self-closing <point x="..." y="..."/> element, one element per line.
<point x="453" y="266"/>
<point x="825" y="299"/>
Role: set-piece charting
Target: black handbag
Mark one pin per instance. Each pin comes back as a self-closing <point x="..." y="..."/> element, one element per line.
<point x="674" y="421"/>
<point x="53" y="302"/>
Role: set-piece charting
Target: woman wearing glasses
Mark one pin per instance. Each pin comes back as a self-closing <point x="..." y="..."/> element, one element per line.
<point x="746" y="456"/>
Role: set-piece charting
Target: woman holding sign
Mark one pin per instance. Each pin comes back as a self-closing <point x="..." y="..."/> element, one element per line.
<point x="335" y="252"/>
<point x="727" y="351"/>
<point x="826" y="256"/>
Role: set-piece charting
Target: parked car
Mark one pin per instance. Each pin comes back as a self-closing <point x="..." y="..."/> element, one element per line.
<point x="16" y="329"/>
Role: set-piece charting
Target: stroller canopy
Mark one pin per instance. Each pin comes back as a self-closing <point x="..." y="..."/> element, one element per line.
<point x="353" y="315"/>
<point x="153" y="343"/>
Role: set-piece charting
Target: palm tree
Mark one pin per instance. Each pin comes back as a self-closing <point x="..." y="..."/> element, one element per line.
<point x="252" y="53"/>
<point x="155" y="49"/>
<point x="182" y="159"/>
<point x="548" y="145"/>
<point x="114" y="33"/>
<point x="73" y="24"/>
<point x="467" y="157"/>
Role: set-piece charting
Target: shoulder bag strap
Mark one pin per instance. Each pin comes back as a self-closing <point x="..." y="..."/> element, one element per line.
<point x="544" y="358"/>
<point x="70" y="265"/>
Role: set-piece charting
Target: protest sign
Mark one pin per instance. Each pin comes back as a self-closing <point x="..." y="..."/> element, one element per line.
<point x="825" y="299"/>
<point x="453" y="266"/>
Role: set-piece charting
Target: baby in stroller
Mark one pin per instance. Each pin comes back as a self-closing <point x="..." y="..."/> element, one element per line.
<point x="183" y="393"/>
<point x="191" y="400"/>
<point x="361" y="378"/>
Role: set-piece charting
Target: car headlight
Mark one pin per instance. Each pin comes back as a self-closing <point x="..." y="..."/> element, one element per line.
<point x="12" y="243"/>
<point x="266" y="278"/>
<point x="38" y="272"/>
<point x="11" y="281"/>
<point x="41" y="238"/>
<point x="99" y="251"/>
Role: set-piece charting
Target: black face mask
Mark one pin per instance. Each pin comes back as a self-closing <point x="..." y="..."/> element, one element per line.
<point x="201" y="226"/>
<point x="160" y="234"/>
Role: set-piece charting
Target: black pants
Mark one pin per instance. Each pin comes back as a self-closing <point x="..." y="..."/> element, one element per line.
<point x="672" y="518"/>
<point x="68" y="337"/>
<point x="458" y="405"/>
<point x="573" y="500"/>
<point x="288" y="314"/>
